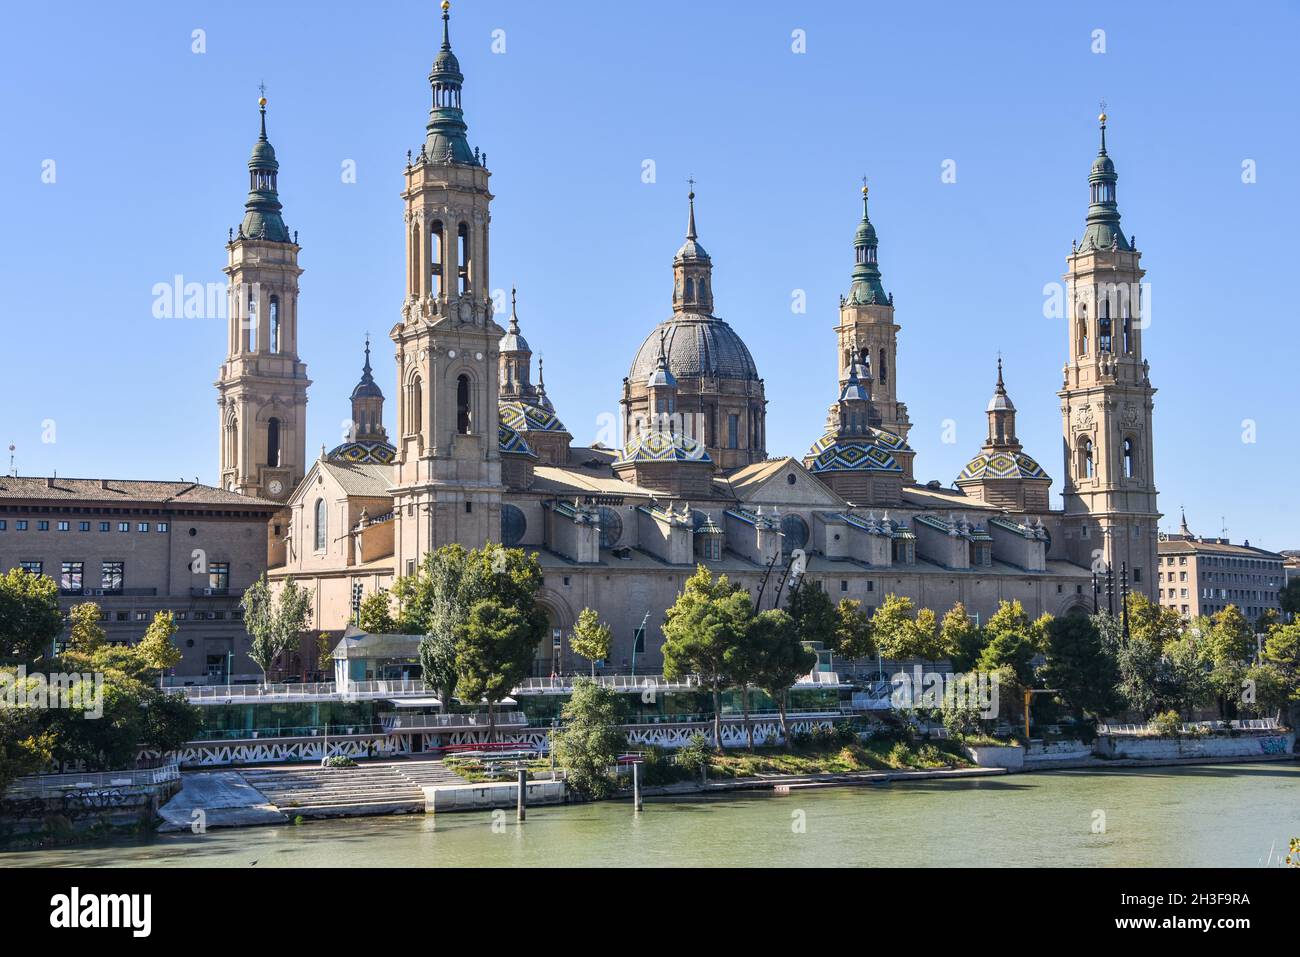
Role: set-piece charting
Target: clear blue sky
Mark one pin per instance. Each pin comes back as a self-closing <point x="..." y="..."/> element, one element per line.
<point x="150" y="142"/>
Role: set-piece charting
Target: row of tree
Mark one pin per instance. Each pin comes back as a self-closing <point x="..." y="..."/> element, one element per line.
<point x="136" y="713"/>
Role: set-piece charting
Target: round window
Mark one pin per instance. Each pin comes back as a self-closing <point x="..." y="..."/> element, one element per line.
<point x="794" y="533"/>
<point x="513" y="525"/>
<point x="611" y="527"/>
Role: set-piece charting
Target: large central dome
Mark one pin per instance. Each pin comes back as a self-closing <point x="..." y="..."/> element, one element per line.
<point x="696" y="347"/>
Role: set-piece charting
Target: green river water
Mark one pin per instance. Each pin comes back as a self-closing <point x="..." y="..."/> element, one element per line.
<point x="1238" y="815"/>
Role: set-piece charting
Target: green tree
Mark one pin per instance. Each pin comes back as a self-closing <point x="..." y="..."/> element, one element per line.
<point x="853" y="636"/>
<point x="708" y="618"/>
<point x="85" y="634"/>
<point x="1152" y="622"/>
<point x="960" y="639"/>
<point x="156" y="649"/>
<point x="781" y="658"/>
<point x="591" y="739"/>
<point x="26" y="745"/>
<point x="591" y="638"/>
<point x="1013" y="640"/>
<point x="495" y="646"/>
<point x="1289" y="597"/>
<point x="1079" y="668"/>
<point x="274" y="622"/>
<point x="1231" y="637"/>
<point x="1187" y="687"/>
<point x="813" y="614"/>
<point x="926" y="626"/>
<point x="438" y="665"/>
<point x="30" y="619"/>
<point x="375" y="615"/>
<point x="894" y="628"/>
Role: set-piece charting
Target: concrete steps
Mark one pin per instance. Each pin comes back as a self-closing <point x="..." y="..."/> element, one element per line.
<point x="365" y="789"/>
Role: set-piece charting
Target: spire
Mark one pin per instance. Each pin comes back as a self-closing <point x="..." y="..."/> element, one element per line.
<point x="1183" y="530"/>
<point x="445" y="140"/>
<point x="662" y="377"/>
<point x="542" y="398"/>
<point x="1103" y="231"/>
<point x="262" y="218"/>
<point x="1002" y="414"/>
<point x="367" y="387"/>
<point x="692" y="269"/>
<point x="866" y="289"/>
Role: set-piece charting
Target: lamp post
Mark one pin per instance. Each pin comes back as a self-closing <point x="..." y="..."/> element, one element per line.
<point x="356" y="604"/>
<point x="1123" y="595"/>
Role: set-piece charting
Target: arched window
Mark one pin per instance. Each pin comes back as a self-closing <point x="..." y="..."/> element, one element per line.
<point x="1085" y="458"/>
<point x="703" y="291"/>
<point x="273" y="443"/>
<point x="232" y="440"/>
<point x="416" y="416"/>
<point x="1103" y="328"/>
<point x="1128" y="332"/>
<point x="462" y="404"/>
<point x="690" y="289"/>
<point x="882" y="369"/>
<point x="794" y="534"/>
<point x="1081" y="331"/>
<point x="252" y="319"/>
<point x="436" y="258"/>
<point x="1130" y="458"/>
<point x="275" y="323"/>
<point x="320" y="525"/>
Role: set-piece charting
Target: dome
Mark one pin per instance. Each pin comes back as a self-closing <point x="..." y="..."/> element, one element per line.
<point x="697" y="346"/>
<point x="526" y="417"/>
<point x="510" y="442"/>
<point x="691" y="250"/>
<point x="1002" y="464"/>
<point x="374" y="453"/>
<point x="513" y="340"/>
<point x="1103" y="164"/>
<point x="660" y="446"/>
<point x="873" y="452"/>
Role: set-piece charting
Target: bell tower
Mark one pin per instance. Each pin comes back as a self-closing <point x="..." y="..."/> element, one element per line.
<point x="1106" y="396"/>
<point x="867" y="326"/>
<point x="447" y="483"/>
<point x="262" y="385"/>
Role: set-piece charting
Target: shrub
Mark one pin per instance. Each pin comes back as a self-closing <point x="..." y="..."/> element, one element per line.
<point x="696" y="754"/>
<point x="1167" y="724"/>
<point x="900" y="755"/>
<point x="340" y="761"/>
<point x="844" y="733"/>
<point x="800" y="740"/>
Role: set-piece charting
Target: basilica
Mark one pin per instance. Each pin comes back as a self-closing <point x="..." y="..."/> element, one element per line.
<point x="478" y="452"/>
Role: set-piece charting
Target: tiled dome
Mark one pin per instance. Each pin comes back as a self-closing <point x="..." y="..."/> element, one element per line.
<point x="697" y="346"/>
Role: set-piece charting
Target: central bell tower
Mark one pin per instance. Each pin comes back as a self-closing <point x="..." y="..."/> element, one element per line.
<point x="447" y="483"/>
<point x="1106" y="396"/>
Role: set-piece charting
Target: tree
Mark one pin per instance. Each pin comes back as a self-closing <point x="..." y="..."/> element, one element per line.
<point x="1013" y="640"/>
<point x="1266" y="620"/>
<point x="85" y="634"/>
<point x="1289" y="597"/>
<point x="926" y="627"/>
<point x="438" y="665"/>
<point x="960" y="639"/>
<point x="708" y="618"/>
<point x="853" y="636"/>
<point x="30" y="619"/>
<point x="156" y="649"/>
<point x="1079" y="668"/>
<point x="1188" y="685"/>
<point x="1282" y="653"/>
<point x="274" y="622"/>
<point x="494" y="651"/>
<point x="1231" y="637"/>
<point x="591" y="740"/>
<point x="591" y="638"/>
<point x="813" y="614"/>
<point x="26" y="746"/>
<point x="780" y="657"/>
<point x="375" y="615"/>
<point x="894" y="628"/>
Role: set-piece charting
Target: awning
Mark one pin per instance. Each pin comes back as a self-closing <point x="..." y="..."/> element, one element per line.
<point x="415" y="702"/>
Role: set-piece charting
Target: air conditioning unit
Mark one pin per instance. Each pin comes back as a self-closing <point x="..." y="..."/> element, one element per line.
<point x="207" y="591"/>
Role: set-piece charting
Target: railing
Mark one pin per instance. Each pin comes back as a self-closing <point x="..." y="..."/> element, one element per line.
<point x="616" y="682"/>
<point x="1193" y="727"/>
<point x="732" y="717"/>
<point x="394" y="721"/>
<point x="42" y="785"/>
<point x="256" y="691"/>
<point x="299" y="731"/>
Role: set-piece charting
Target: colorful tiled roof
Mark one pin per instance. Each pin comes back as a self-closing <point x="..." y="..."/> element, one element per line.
<point x="374" y="452"/>
<point x="526" y="417"/>
<point x="659" y="446"/>
<point x="510" y="442"/>
<point x="874" y="454"/>
<point x="1002" y="464"/>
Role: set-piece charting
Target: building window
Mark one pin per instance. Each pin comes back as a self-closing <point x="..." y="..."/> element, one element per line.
<point x="320" y="524"/>
<point x="1130" y="458"/>
<point x="42" y="526"/>
<point x="111" y="576"/>
<point x="417" y="407"/>
<point x="513" y="525"/>
<point x="31" y="568"/>
<point x="273" y="442"/>
<point x="252" y="319"/>
<point x="469" y="507"/>
<point x="844" y="584"/>
<point x="733" y="431"/>
<point x="275" y="323"/>
<point x="219" y="575"/>
<point x="83" y="526"/>
<point x="462" y="404"/>
<point x="142" y="527"/>
<point x="462" y="240"/>
<point x="163" y="526"/>
<point x="1085" y="458"/>
<point x="124" y="526"/>
<point x="103" y="526"/>
<point x="794" y="534"/>
<point x="1137" y="575"/>
<point x="70" y="581"/>
<point x="20" y="525"/>
<point x="3" y="525"/>
<point x="63" y="526"/>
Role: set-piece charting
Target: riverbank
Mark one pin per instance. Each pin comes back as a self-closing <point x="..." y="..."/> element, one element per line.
<point x="1225" y="815"/>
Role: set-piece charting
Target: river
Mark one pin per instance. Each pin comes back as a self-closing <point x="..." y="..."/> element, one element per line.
<point x="1230" y="815"/>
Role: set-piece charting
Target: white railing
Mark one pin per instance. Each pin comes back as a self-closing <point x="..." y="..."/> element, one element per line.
<point x="241" y="692"/>
<point x="617" y="682"/>
<point x="40" y="785"/>
<point x="393" y="721"/>
<point x="1193" y="727"/>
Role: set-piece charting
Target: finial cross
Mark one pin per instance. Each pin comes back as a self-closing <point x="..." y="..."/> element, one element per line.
<point x="261" y="88"/>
